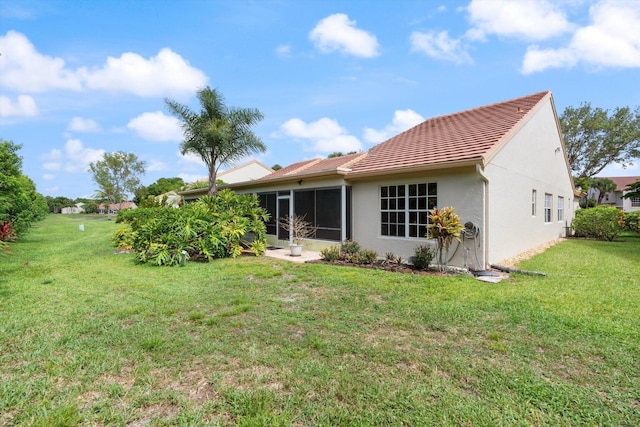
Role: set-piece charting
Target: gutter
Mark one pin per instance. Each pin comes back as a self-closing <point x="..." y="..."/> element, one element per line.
<point x="485" y="220"/>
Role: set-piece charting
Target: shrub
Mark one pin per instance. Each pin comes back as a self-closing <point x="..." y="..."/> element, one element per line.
<point x="123" y="238"/>
<point x="212" y="227"/>
<point x="366" y="256"/>
<point x="7" y="233"/>
<point x="331" y="254"/>
<point x="632" y="221"/>
<point x="444" y="226"/>
<point x="349" y="247"/>
<point x="601" y="222"/>
<point x="422" y="257"/>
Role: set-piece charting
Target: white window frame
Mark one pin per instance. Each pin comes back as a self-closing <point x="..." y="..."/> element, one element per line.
<point x="407" y="211"/>
<point x="560" y="209"/>
<point x="635" y="202"/>
<point x="548" y="207"/>
<point x="534" y="196"/>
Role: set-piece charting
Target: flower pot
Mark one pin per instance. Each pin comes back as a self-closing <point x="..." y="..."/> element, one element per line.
<point x="296" y="250"/>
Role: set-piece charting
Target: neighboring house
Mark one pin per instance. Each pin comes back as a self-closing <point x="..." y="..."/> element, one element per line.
<point x="113" y="208"/>
<point x="502" y="167"/>
<point x="78" y="208"/>
<point x="614" y="198"/>
<point x="248" y="171"/>
<point x="170" y="199"/>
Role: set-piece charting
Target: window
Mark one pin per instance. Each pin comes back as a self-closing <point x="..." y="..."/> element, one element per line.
<point x="548" y="201"/>
<point x="560" y="208"/>
<point x="635" y="202"/>
<point x="533" y="202"/>
<point x="404" y="209"/>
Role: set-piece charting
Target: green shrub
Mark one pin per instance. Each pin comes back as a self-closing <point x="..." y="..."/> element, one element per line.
<point x="331" y="254"/>
<point x="212" y="227"/>
<point x="366" y="256"/>
<point x="632" y="221"/>
<point x="349" y="247"/>
<point x="601" y="222"/>
<point x="123" y="238"/>
<point x="422" y="257"/>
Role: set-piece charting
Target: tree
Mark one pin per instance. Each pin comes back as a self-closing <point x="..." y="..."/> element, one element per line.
<point x="161" y="186"/>
<point x="595" y="139"/>
<point x="632" y="190"/>
<point x="117" y="176"/>
<point x="603" y="185"/>
<point x="218" y="134"/>
<point x="20" y="203"/>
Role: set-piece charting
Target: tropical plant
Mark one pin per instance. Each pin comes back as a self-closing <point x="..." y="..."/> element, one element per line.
<point x="212" y="227"/>
<point x="632" y="221"/>
<point x="117" y="176"/>
<point x="220" y="135"/>
<point x="445" y="227"/>
<point x="632" y="190"/>
<point x="601" y="222"/>
<point x="604" y="186"/>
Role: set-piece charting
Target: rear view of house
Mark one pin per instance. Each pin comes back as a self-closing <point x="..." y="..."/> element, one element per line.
<point x="501" y="166"/>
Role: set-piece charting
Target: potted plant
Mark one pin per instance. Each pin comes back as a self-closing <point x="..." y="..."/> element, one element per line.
<point x="299" y="229"/>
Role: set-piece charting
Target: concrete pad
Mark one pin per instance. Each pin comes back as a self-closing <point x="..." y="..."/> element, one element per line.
<point x="285" y="254"/>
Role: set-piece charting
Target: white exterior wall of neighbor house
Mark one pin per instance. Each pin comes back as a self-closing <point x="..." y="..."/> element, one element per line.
<point x="246" y="172"/>
<point x="532" y="160"/>
<point x="461" y="189"/>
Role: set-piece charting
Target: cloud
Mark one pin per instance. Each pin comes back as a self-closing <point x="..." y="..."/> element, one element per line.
<point x="156" y="126"/>
<point x="189" y="177"/>
<point x="24" y="107"/>
<point x="23" y="68"/>
<point x="324" y="135"/>
<point x="338" y="33"/>
<point x="532" y="20"/>
<point x="165" y="73"/>
<point x="48" y="177"/>
<point x="283" y="51"/>
<point x="402" y="120"/>
<point x="156" y="166"/>
<point x="439" y="46"/>
<point x="80" y="124"/>
<point x="74" y="158"/>
<point x="611" y="40"/>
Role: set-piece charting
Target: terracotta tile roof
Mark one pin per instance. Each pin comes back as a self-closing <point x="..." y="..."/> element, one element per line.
<point x="315" y="166"/>
<point x="622" y="181"/>
<point x="464" y="136"/>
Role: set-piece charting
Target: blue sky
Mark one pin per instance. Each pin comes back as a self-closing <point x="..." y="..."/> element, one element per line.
<point x="78" y="78"/>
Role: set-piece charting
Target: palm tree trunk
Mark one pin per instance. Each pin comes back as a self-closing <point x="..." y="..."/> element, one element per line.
<point x="213" y="188"/>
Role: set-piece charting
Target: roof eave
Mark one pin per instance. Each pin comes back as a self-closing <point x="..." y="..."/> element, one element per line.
<point x="419" y="168"/>
<point x="339" y="172"/>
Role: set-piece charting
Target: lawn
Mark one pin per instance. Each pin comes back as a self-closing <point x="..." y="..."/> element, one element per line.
<point x="88" y="337"/>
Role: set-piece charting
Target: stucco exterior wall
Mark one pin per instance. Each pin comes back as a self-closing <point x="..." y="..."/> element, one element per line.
<point x="461" y="189"/>
<point x="532" y="160"/>
<point x="245" y="172"/>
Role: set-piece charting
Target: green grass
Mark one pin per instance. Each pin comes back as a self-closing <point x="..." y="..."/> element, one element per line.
<point x="88" y="337"/>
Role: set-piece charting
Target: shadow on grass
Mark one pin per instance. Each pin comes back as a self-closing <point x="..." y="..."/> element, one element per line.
<point x="626" y="246"/>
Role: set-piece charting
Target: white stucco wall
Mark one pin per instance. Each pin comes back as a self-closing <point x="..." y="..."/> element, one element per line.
<point x="533" y="159"/>
<point x="245" y="172"/>
<point x="461" y="189"/>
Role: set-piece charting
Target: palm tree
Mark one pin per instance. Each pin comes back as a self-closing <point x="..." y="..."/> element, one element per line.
<point x="218" y="134"/>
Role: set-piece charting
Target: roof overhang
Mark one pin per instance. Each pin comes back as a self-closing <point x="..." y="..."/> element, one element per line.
<point x="417" y="169"/>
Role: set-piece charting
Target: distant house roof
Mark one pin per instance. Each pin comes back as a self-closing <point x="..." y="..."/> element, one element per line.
<point x="464" y="138"/>
<point x="622" y="181"/>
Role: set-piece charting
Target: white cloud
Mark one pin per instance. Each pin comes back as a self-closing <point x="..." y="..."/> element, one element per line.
<point x="80" y="124"/>
<point x="338" y="33"/>
<point x="156" y="126"/>
<point x="190" y="160"/>
<point x="439" y="46"/>
<point x="325" y="135"/>
<point x="532" y="20"/>
<point x="189" y="177"/>
<point x="402" y="120"/>
<point x="23" y="68"/>
<point x="612" y="40"/>
<point x="165" y="73"/>
<point x="74" y="158"/>
<point x="156" y="166"/>
<point x="48" y="177"/>
<point x="24" y="107"/>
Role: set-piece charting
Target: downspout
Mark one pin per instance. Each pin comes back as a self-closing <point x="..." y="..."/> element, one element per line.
<point x="485" y="220"/>
<point x="343" y="213"/>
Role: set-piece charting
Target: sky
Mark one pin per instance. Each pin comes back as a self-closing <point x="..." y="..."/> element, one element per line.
<point x="81" y="78"/>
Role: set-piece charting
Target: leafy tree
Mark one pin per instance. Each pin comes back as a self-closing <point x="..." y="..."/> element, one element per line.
<point x="20" y="203"/>
<point x="55" y="204"/>
<point x="218" y="134"/>
<point x="276" y="167"/>
<point x="117" y="175"/>
<point x="339" y="154"/>
<point x="603" y="185"/>
<point x="595" y="139"/>
<point x="632" y="190"/>
<point x="161" y="186"/>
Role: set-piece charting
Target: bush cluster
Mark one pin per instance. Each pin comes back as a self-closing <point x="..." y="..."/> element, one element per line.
<point x="601" y="222"/>
<point x="213" y="227"/>
<point x="632" y="221"/>
<point x="422" y="257"/>
<point x="351" y="252"/>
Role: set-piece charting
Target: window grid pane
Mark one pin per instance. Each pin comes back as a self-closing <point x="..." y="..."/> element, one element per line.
<point x="547" y="207"/>
<point x="405" y="209"/>
<point x="560" y="208"/>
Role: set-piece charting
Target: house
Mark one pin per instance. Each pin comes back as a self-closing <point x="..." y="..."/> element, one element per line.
<point x="248" y="171"/>
<point x="614" y="198"/>
<point x="113" y="208"/>
<point x="76" y="209"/>
<point x="502" y="167"/>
